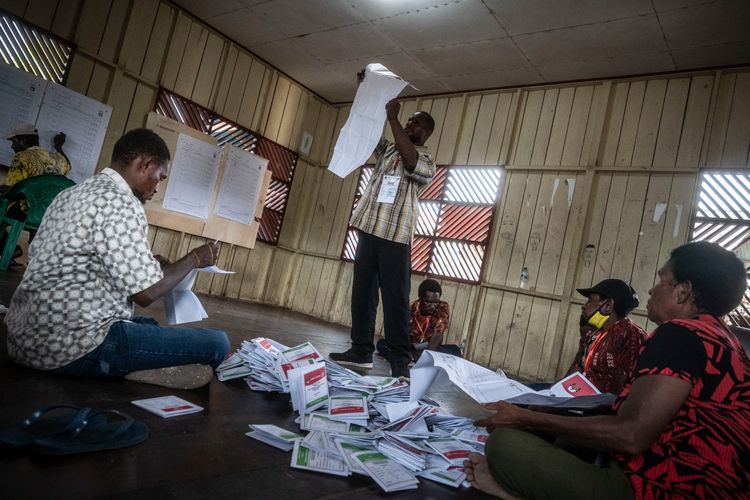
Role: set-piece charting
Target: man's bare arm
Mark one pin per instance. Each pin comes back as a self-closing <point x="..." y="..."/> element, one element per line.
<point x="653" y="402"/>
<point x="204" y="255"/>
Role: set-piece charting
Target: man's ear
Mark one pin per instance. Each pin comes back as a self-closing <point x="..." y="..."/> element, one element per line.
<point x="142" y="163"/>
<point x="607" y="307"/>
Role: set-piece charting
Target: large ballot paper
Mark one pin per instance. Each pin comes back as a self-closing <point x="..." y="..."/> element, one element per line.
<point x="362" y="130"/>
<point x="486" y="386"/>
<point x="181" y="305"/>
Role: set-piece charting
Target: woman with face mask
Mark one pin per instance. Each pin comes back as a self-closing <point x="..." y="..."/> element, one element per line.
<point x="610" y="341"/>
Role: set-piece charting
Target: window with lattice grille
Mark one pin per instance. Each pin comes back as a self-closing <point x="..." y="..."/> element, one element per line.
<point x="281" y="161"/>
<point x="455" y="217"/>
<point x="33" y="49"/>
<point x="722" y="216"/>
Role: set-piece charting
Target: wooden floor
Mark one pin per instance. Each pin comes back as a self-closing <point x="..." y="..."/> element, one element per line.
<point x="204" y="455"/>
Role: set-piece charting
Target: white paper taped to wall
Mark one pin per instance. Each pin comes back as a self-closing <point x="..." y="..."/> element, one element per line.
<point x="362" y="130"/>
<point x="677" y="221"/>
<point x="571" y="189"/>
<point x="554" y="190"/>
<point x="659" y="210"/>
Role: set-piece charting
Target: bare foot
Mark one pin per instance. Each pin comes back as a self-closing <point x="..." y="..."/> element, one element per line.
<point x="478" y="474"/>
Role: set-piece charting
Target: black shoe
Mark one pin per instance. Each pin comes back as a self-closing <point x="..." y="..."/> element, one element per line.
<point x="399" y="368"/>
<point x="352" y="358"/>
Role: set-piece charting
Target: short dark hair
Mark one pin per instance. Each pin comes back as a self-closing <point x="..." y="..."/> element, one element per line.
<point x="429" y="285"/>
<point x="718" y="277"/>
<point x="139" y="142"/>
<point x="427" y="119"/>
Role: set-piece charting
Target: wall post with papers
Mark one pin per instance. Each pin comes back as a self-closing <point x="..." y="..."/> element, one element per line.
<point x="53" y="108"/>
<point x="200" y="202"/>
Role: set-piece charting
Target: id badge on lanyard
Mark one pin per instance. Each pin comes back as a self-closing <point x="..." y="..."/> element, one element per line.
<point x="388" y="189"/>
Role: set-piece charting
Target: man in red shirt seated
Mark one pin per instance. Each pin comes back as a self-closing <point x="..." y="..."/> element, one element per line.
<point x="681" y="425"/>
<point x="609" y="347"/>
<point x="428" y="324"/>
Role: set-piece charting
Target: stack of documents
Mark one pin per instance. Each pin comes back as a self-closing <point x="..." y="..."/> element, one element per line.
<point x="375" y="426"/>
<point x="308" y="386"/>
<point x="273" y="435"/>
<point x="168" y="406"/>
<point x="387" y="473"/>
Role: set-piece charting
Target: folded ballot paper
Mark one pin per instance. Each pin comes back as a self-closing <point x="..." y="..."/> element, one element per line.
<point x="168" y="406"/>
<point x="486" y="386"/>
<point x="181" y="305"/>
<point x="362" y="130"/>
<point x="274" y="436"/>
<point x="308" y="387"/>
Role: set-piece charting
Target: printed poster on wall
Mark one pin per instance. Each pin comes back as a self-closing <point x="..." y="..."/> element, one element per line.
<point x="192" y="177"/>
<point x="84" y="122"/>
<point x="240" y="185"/>
<point x="20" y="98"/>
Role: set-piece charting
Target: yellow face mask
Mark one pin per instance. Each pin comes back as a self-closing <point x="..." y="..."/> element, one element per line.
<point x="598" y="319"/>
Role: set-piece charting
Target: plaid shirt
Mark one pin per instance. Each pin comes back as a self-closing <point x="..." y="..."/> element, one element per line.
<point x="393" y="221"/>
<point x="90" y="255"/>
<point x="35" y="161"/>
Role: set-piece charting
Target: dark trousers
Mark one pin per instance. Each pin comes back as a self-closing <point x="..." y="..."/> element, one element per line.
<point x="385" y="265"/>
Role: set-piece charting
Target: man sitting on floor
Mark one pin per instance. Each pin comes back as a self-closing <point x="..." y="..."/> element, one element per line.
<point x="607" y="353"/>
<point x="681" y="426"/>
<point x="73" y="310"/>
<point x="429" y="319"/>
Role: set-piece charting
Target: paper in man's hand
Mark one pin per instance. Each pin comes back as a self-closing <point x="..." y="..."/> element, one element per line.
<point x="362" y="130"/>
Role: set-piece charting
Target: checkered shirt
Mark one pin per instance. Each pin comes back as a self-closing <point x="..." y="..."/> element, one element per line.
<point x="90" y="254"/>
<point x="393" y="221"/>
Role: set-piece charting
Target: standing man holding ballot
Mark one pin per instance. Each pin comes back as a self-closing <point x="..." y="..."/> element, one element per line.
<point x="385" y="218"/>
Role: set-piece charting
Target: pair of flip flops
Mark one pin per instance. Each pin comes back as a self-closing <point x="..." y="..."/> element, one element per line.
<point x="66" y="430"/>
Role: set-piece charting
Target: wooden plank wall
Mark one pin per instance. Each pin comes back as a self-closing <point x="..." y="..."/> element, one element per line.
<point x="600" y="181"/>
<point x="600" y="176"/>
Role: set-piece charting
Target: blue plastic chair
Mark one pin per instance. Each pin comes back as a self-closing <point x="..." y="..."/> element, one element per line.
<point x="38" y="191"/>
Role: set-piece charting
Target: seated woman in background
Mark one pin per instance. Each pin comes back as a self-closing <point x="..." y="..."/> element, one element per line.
<point x="681" y="426"/>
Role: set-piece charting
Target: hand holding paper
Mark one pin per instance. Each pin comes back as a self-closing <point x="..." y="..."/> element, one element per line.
<point x="363" y="128"/>
<point x="181" y="304"/>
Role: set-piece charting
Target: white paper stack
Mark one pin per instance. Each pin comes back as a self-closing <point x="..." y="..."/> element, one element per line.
<point x="307" y="459"/>
<point x="308" y="387"/>
<point x="452" y="450"/>
<point x="354" y="423"/>
<point x="403" y="451"/>
<point x="448" y="477"/>
<point x="320" y="422"/>
<point x="389" y="475"/>
<point x="347" y="449"/>
<point x="274" y="436"/>
<point x="349" y="408"/>
<point x="168" y="406"/>
<point x="475" y="437"/>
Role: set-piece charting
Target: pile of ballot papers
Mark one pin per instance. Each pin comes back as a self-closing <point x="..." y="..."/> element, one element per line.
<point x="354" y="424"/>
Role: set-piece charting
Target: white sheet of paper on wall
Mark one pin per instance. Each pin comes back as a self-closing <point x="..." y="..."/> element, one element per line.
<point x="659" y="210"/>
<point x="571" y="188"/>
<point x="554" y="190"/>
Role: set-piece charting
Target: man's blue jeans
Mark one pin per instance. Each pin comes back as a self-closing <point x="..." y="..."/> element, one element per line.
<point x="142" y="344"/>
